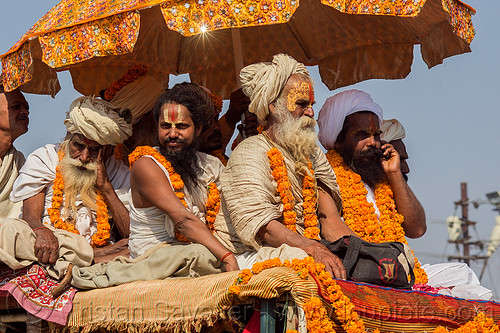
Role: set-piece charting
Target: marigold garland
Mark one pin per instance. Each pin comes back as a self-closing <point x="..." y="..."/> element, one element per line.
<point x="101" y="236"/>
<point x="118" y="152"/>
<point x="217" y="101"/>
<point x="316" y="314"/>
<point x="132" y="74"/>
<point x="480" y="324"/>
<point x="220" y="155"/>
<point x="283" y="186"/>
<point x="213" y="201"/>
<point x="212" y="206"/>
<point x="359" y="214"/>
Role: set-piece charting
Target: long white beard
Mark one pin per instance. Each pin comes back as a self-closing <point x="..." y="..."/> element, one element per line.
<point x="297" y="135"/>
<point x="79" y="179"/>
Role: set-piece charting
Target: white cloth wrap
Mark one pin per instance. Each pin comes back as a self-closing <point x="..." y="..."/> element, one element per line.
<point x="150" y="226"/>
<point x="9" y="169"/>
<point x="97" y="120"/>
<point x="139" y="96"/>
<point x="336" y="108"/>
<point x="39" y="172"/>
<point x="459" y="278"/>
<point x="264" y="81"/>
<point x="392" y="130"/>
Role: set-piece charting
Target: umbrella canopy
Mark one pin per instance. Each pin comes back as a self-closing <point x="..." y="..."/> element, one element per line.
<point x="350" y="40"/>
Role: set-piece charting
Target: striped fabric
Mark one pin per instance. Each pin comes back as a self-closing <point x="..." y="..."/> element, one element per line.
<point x="179" y="303"/>
<point x="188" y="304"/>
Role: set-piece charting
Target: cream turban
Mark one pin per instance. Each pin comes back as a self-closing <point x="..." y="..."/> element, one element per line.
<point x="336" y="108"/>
<point x="392" y="130"/>
<point x="264" y="81"/>
<point x="97" y="120"/>
<point x="139" y="96"/>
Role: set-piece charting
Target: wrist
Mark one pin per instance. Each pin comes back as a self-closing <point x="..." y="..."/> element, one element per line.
<point x="39" y="228"/>
<point x="394" y="176"/>
<point x="225" y="256"/>
<point x="310" y="247"/>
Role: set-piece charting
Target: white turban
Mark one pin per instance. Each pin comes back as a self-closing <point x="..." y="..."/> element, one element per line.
<point x="392" y="130"/>
<point x="97" y="120"/>
<point x="264" y="81"/>
<point x="139" y="96"/>
<point x="336" y="108"/>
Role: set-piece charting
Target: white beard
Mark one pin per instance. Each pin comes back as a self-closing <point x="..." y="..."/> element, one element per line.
<point x="80" y="182"/>
<point x="297" y="135"/>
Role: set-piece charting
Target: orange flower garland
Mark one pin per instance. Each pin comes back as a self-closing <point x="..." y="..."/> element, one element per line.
<point x="132" y="74"/>
<point x="118" y="152"/>
<point x="316" y="314"/>
<point x="283" y="186"/>
<point x="360" y="215"/>
<point x="220" y="155"/>
<point x="212" y="206"/>
<point x="213" y="200"/>
<point x="480" y="324"/>
<point x="101" y="236"/>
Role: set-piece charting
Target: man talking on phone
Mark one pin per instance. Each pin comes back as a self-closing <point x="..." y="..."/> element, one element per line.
<point x="378" y="203"/>
<point x="72" y="211"/>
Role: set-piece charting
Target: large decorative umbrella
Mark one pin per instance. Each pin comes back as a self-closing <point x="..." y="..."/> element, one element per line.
<point x="350" y="40"/>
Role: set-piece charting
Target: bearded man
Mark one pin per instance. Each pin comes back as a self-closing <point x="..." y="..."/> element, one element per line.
<point x="378" y="203"/>
<point x="72" y="188"/>
<point x="172" y="204"/>
<point x="274" y="180"/>
<point x="393" y="132"/>
<point x="14" y="112"/>
<point x="217" y="133"/>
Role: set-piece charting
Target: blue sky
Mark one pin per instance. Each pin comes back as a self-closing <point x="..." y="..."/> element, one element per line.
<point x="450" y="114"/>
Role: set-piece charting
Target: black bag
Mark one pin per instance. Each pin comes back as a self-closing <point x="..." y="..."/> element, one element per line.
<point x="385" y="264"/>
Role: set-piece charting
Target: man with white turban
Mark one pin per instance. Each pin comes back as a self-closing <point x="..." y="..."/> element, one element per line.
<point x="393" y="132"/>
<point x="71" y="194"/>
<point x="14" y="112"/>
<point x="278" y="187"/>
<point x="349" y="128"/>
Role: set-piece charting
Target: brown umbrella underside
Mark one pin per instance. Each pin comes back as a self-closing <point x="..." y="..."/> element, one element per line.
<point x="98" y="45"/>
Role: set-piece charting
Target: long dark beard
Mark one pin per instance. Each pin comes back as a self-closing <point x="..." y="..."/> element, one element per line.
<point x="184" y="161"/>
<point x="368" y="164"/>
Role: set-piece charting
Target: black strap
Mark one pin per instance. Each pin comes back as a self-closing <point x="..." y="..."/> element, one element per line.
<point x="412" y="274"/>
<point x="352" y="254"/>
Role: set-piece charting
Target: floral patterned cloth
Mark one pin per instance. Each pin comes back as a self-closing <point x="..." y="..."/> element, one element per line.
<point x="75" y="31"/>
<point x="31" y="287"/>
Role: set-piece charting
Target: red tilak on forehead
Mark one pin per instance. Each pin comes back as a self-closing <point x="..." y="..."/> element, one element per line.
<point x="171" y="112"/>
<point x="311" y="93"/>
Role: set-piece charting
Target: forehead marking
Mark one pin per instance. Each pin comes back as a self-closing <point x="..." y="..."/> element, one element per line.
<point x="302" y="90"/>
<point x="173" y="114"/>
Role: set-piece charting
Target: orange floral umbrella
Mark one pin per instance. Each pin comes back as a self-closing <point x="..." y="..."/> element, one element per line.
<point x="350" y="40"/>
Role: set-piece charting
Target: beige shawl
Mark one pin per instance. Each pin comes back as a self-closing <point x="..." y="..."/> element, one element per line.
<point x="9" y="169"/>
<point x="249" y="198"/>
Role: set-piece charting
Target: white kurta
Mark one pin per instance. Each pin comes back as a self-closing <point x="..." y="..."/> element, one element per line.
<point x="39" y="172"/>
<point x="9" y="169"/>
<point x="150" y="226"/>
